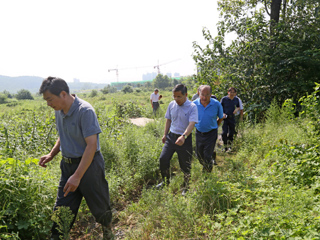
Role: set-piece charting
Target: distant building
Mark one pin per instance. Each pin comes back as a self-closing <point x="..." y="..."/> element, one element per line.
<point x="76" y="80"/>
<point x="176" y="74"/>
<point x="169" y="75"/>
<point x="149" y="76"/>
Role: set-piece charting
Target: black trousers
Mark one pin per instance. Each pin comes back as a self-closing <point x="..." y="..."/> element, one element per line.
<point x="184" y="155"/>
<point x="205" y="144"/>
<point x="155" y="107"/>
<point x="228" y="130"/>
<point x="93" y="187"/>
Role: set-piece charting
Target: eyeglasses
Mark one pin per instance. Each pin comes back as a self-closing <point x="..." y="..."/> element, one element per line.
<point x="178" y="97"/>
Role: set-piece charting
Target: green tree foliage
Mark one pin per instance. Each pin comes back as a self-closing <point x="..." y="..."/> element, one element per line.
<point x="276" y="57"/>
<point x="24" y="94"/>
<point x="161" y="81"/>
<point x="3" y="98"/>
<point x="93" y="93"/>
<point x="7" y="93"/>
<point x="127" y="89"/>
<point x="105" y="90"/>
<point x="108" y="89"/>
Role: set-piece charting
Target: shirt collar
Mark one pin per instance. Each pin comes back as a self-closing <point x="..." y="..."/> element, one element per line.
<point x="72" y="108"/>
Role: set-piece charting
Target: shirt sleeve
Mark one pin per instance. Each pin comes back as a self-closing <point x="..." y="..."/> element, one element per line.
<point x="220" y="111"/>
<point x="168" y="113"/>
<point x="89" y="123"/>
<point x="240" y="103"/>
<point x="193" y="117"/>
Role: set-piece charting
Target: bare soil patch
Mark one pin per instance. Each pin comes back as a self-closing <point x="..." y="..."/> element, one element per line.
<point x="140" y="121"/>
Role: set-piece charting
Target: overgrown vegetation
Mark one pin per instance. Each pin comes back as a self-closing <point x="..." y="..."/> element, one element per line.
<point x="275" y="51"/>
<point x="267" y="189"/>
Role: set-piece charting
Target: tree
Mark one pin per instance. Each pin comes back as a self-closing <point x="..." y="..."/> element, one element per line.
<point x="3" y="98"/>
<point x="161" y="81"/>
<point x="23" y="94"/>
<point x="93" y="93"/>
<point x="127" y="89"/>
<point x="7" y="93"/>
<point x="104" y="90"/>
<point x="270" y="58"/>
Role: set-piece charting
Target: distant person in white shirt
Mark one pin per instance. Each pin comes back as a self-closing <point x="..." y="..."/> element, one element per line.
<point x="154" y="99"/>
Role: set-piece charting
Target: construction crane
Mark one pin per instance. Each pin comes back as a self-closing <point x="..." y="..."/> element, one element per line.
<point x="158" y="66"/>
<point x="117" y="72"/>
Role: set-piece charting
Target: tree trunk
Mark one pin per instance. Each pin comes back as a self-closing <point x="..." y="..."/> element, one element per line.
<point x="275" y="14"/>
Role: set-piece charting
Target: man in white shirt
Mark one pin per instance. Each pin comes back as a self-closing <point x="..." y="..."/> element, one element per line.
<point x="181" y="116"/>
<point x="154" y="99"/>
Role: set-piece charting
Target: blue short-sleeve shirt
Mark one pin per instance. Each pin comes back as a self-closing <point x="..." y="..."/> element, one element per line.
<point x="80" y="122"/>
<point x="180" y="116"/>
<point x="208" y="115"/>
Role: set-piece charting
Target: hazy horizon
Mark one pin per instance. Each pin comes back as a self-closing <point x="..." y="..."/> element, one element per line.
<point x="83" y="40"/>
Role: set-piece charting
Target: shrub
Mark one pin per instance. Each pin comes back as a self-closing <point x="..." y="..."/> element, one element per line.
<point x="24" y="94"/>
<point x="3" y="98"/>
<point x="127" y="89"/>
<point x="93" y="93"/>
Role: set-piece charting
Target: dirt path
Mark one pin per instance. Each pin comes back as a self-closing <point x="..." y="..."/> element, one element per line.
<point x="140" y="121"/>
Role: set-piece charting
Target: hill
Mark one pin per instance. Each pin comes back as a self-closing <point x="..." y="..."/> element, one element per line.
<point x="32" y="83"/>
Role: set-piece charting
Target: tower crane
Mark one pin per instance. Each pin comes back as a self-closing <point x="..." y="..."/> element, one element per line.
<point x="158" y="66"/>
<point x="117" y="72"/>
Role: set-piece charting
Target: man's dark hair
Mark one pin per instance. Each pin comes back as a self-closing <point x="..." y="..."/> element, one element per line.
<point x="180" y="87"/>
<point x="232" y="88"/>
<point x="54" y="85"/>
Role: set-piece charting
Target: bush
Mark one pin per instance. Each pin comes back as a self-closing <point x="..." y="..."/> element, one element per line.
<point x="26" y="199"/>
<point x="105" y="90"/>
<point x="127" y="89"/>
<point x="24" y="94"/>
<point x="93" y="93"/>
<point x="3" y="98"/>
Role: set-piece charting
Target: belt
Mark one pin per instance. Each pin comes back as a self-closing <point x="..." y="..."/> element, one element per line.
<point x="174" y="134"/>
<point x="205" y="133"/>
<point x="74" y="160"/>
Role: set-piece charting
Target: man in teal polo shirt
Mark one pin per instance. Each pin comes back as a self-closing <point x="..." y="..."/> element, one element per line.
<point x="210" y="116"/>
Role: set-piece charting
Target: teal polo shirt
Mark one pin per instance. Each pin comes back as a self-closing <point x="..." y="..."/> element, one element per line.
<point x="207" y="116"/>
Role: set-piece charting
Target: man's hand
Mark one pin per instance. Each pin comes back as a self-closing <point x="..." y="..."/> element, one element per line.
<point x="180" y="141"/>
<point x="236" y="110"/>
<point x="164" y="138"/>
<point x="45" y="159"/>
<point x="71" y="185"/>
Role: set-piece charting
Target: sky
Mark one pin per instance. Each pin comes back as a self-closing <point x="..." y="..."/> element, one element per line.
<point x="84" y="39"/>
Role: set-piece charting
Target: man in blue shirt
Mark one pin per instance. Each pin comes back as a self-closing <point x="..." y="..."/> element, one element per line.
<point x="82" y="164"/>
<point x="210" y="114"/>
<point x="231" y="106"/>
<point x="181" y="117"/>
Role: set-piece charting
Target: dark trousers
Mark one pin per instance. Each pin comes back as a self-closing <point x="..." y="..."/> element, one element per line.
<point x="205" y="144"/>
<point x="93" y="187"/>
<point x="184" y="155"/>
<point x="228" y="130"/>
<point x="155" y="107"/>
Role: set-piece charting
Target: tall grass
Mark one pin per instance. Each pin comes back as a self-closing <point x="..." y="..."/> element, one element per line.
<point x="267" y="189"/>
